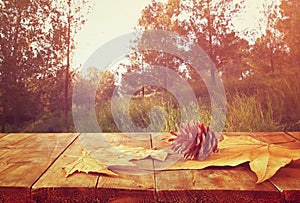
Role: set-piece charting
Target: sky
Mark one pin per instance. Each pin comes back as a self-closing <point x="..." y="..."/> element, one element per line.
<point x="112" y="18"/>
<point x="108" y="20"/>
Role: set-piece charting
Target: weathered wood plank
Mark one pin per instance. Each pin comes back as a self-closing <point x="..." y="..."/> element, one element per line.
<point x="218" y="184"/>
<point x="296" y="135"/>
<point x="287" y="181"/>
<point x="214" y="184"/>
<point x="53" y="186"/>
<point x="15" y="194"/>
<point x="133" y="184"/>
<point x="21" y="156"/>
<point x="126" y="188"/>
<point x="2" y="134"/>
<point x="24" y="157"/>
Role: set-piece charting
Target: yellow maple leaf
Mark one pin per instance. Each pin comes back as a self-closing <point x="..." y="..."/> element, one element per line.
<point x="141" y="153"/>
<point x="265" y="159"/>
<point x="114" y="156"/>
<point x="86" y="164"/>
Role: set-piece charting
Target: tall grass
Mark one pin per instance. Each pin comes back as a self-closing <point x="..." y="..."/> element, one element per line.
<point x="286" y="97"/>
<point x="244" y="113"/>
<point x="247" y="113"/>
<point x="261" y="103"/>
<point x="152" y="113"/>
<point x="266" y="104"/>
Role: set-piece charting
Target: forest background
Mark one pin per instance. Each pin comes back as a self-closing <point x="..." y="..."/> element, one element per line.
<point x="260" y="74"/>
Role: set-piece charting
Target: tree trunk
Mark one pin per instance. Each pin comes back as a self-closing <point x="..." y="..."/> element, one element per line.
<point x="3" y="125"/>
<point x="68" y="64"/>
<point x="212" y="72"/>
<point x="272" y="60"/>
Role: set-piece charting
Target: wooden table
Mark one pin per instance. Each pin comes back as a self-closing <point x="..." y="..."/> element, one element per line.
<point x="31" y="171"/>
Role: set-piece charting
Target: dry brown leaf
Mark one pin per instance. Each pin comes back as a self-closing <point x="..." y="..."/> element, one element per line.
<point x="264" y="159"/>
<point x="122" y="155"/>
<point x="114" y="156"/>
<point x="86" y="164"/>
<point x="141" y="153"/>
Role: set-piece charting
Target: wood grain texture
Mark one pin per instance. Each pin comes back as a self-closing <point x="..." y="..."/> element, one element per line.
<point x="214" y="184"/>
<point x="287" y="181"/>
<point x="31" y="171"/>
<point x="134" y="184"/>
<point x="2" y="134"/>
<point x="218" y="184"/>
<point x="15" y="194"/>
<point x="53" y="186"/>
<point x="296" y="135"/>
<point x="24" y="157"/>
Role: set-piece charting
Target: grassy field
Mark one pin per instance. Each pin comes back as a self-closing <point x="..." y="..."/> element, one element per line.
<point x="269" y="104"/>
<point x="266" y="103"/>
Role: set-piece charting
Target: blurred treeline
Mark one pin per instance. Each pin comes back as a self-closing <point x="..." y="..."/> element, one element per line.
<point x="260" y="67"/>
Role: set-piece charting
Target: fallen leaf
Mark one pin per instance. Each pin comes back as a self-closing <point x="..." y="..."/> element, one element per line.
<point x="86" y="164"/>
<point x="123" y="155"/>
<point x="265" y="159"/>
<point x="102" y="158"/>
<point x="141" y="153"/>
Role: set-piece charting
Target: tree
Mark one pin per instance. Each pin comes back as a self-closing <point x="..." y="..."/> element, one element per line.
<point x="74" y="12"/>
<point x="207" y="23"/>
<point x="20" y="59"/>
<point x="268" y="52"/>
<point x="289" y="25"/>
<point x="33" y="50"/>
